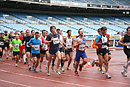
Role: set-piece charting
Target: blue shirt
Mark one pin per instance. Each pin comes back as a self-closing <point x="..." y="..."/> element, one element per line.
<point x="98" y="38"/>
<point x="36" y="43"/>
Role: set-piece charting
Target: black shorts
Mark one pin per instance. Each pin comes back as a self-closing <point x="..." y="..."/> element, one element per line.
<point x="108" y="51"/>
<point x="6" y="45"/>
<point x="62" y="49"/>
<point x="43" y="51"/>
<point x="36" y="55"/>
<point x="68" y="51"/>
<point x="127" y="52"/>
<point x="102" y="51"/>
<point x="28" y="50"/>
<point x="16" y="53"/>
<point x="3" y="47"/>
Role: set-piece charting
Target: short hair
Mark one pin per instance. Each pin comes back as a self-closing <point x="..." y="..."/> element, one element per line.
<point x="68" y="31"/>
<point x="36" y="33"/>
<point x="21" y="31"/>
<point x="80" y="29"/>
<point x="42" y="31"/>
<point x="127" y="28"/>
<point x="58" y="29"/>
<point x="32" y="31"/>
<point x="52" y="27"/>
<point x="99" y="29"/>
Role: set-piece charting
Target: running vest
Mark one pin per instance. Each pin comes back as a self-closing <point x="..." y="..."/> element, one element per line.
<point x="69" y="42"/>
<point x="44" y="47"/>
<point x="127" y="40"/>
<point x="82" y="45"/>
<point x="102" y="39"/>
<point x="61" y="40"/>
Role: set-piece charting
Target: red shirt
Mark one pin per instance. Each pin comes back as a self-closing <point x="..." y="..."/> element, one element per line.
<point x="23" y="46"/>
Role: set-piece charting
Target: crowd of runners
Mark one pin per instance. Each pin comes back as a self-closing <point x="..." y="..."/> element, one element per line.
<point x="31" y="48"/>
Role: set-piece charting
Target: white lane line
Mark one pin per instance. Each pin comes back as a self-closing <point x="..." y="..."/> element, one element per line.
<point x="74" y="84"/>
<point x="14" y="83"/>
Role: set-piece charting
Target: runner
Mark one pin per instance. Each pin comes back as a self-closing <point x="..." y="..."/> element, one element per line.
<point x="102" y="43"/>
<point x="22" y="49"/>
<point x="2" y="40"/>
<point x="35" y="50"/>
<point x="68" y="48"/>
<point x="53" y="40"/>
<point x="43" y="50"/>
<point x="126" y="43"/>
<point x="25" y="40"/>
<point x="6" y="37"/>
<point x="15" y="43"/>
<point x="80" y="44"/>
<point x="61" y="51"/>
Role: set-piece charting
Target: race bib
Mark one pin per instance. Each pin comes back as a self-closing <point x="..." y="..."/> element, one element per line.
<point x="16" y="45"/>
<point x="44" y="46"/>
<point x="1" y="43"/>
<point x="128" y="46"/>
<point x="69" y="45"/>
<point x="28" y="45"/>
<point x="37" y="47"/>
<point x="82" y="47"/>
<point x="55" y="41"/>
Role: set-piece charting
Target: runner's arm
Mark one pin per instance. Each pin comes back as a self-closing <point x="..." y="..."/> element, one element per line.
<point x="121" y="40"/>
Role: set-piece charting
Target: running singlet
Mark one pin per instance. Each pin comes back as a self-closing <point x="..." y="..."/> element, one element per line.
<point x="1" y="42"/>
<point x="127" y="40"/>
<point x="16" y="43"/>
<point x="23" y="46"/>
<point x="35" y="42"/>
<point x="54" y="45"/>
<point x="25" y="40"/>
<point x="44" y="47"/>
<point x="69" y="42"/>
<point x="5" y="37"/>
<point x="102" y="39"/>
<point x="82" y="45"/>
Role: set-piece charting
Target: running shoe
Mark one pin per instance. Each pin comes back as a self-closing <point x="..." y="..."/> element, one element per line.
<point x="32" y="68"/>
<point x="16" y="65"/>
<point x="124" y="73"/>
<point x="76" y="73"/>
<point x="29" y="67"/>
<point x="68" y="68"/>
<point x="48" y="72"/>
<point x="40" y="68"/>
<point x="107" y="76"/>
<point x="35" y="71"/>
<point x="62" y="69"/>
<point x="125" y="69"/>
<point x="52" y="67"/>
<point x="6" y="57"/>
<point x="74" y="65"/>
<point x="84" y="66"/>
<point x="80" y="67"/>
<point x="101" y="71"/>
<point x="24" y="62"/>
<point x="57" y="71"/>
<point x="93" y="63"/>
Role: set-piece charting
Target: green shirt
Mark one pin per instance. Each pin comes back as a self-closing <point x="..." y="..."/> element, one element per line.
<point x="16" y="43"/>
<point x="5" y="37"/>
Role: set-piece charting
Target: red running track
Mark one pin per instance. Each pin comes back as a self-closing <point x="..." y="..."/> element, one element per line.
<point x="11" y="76"/>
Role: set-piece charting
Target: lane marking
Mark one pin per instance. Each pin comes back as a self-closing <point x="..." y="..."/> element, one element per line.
<point x="14" y="83"/>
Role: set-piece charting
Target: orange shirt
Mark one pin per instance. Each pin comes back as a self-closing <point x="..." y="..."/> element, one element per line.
<point x="93" y="45"/>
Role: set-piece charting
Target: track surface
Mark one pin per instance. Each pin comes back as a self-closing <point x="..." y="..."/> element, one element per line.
<point x="11" y="76"/>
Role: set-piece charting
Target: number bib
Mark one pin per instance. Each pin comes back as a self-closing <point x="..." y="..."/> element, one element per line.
<point x="55" y="41"/>
<point x="27" y="45"/>
<point x="16" y="45"/>
<point x="128" y="46"/>
<point x="69" y="45"/>
<point x="37" y="47"/>
<point x="1" y="43"/>
<point x="44" y="46"/>
<point x="82" y="47"/>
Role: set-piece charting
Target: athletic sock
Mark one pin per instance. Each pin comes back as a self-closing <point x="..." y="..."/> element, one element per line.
<point x="62" y="62"/>
<point x="24" y="58"/>
<point x="53" y="60"/>
<point x="40" y="64"/>
<point x="127" y="64"/>
<point x="46" y="63"/>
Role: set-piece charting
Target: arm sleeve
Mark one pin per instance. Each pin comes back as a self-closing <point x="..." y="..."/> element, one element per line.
<point x="98" y="38"/>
